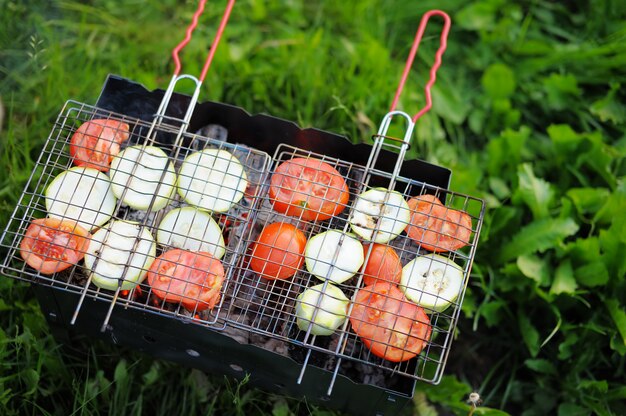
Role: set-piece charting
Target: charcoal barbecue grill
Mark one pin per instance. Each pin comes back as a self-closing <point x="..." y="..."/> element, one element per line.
<point x="252" y="328"/>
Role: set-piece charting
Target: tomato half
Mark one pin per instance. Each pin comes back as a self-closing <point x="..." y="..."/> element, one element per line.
<point x="193" y="279"/>
<point x="388" y="324"/>
<point x="309" y="189"/>
<point x="95" y="143"/>
<point x="436" y="227"/>
<point x="52" y="244"/>
<point x="278" y="251"/>
<point x="383" y="265"/>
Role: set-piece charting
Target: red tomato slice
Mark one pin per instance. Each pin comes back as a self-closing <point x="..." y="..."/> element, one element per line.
<point x="389" y="325"/>
<point x="309" y="189"/>
<point x="278" y="252"/>
<point x="436" y="227"/>
<point x="383" y="265"/>
<point x="193" y="279"/>
<point x="52" y="244"/>
<point x="97" y="142"/>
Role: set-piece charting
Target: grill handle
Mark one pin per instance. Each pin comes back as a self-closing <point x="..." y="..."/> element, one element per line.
<point x="443" y="44"/>
<point x="177" y="76"/>
<point x="216" y="40"/>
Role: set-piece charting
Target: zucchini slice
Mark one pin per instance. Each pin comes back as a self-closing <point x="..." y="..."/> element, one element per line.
<point x="432" y="281"/>
<point x="120" y="251"/>
<point x="191" y="229"/>
<point x="331" y="312"/>
<point x="371" y="211"/>
<point x="140" y="171"/>
<point x="321" y="249"/>
<point x="212" y="179"/>
<point x="83" y="195"/>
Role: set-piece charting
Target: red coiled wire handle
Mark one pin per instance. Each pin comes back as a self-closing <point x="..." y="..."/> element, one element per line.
<point x="433" y="71"/>
<point x="216" y="39"/>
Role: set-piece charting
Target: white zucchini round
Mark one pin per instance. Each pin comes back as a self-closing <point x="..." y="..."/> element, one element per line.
<point x="212" y="179"/>
<point x="83" y="195"/>
<point x="371" y="211"/>
<point x="331" y="312"/>
<point x="143" y="174"/>
<point x="191" y="229"/>
<point x="432" y="281"/>
<point x="321" y="249"/>
<point x="122" y="250"/>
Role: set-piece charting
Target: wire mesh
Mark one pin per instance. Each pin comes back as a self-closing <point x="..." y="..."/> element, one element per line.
<point x="135" y="210"/>
<point x="233" y="245"/>
<point x="316" y="196"/>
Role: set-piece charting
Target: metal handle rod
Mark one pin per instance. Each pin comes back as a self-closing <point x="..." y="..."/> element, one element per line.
<point x="160" y="114"/>
<point x="405" y="143"/>
<point x="443" y="44"/>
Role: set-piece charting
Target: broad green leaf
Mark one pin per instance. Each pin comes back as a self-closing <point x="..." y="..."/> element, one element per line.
<point x="449" y="104"/>
<point x="599" y="386"/>
<point x="613" y="244"/>
<point x="564" y="280"/>
<point x="599" y="157"/>
<point x="153" y="375"/>
<point x="618" y="314"/>
<point x="530" y="335"/>
<point x="610" y="108"/>
<point x="281" y="408"/>
<point x="30" y="377"/>
<point x="571" y="409"/>
<point x="534" y="191"/>
<point x="499" y="81"/>
<point x="534" y="268"/>
<point x="506" y="151"/>
<point x="584" y="250"/>
<point x="560" y="89"/>
<point x="449" y="390"/>
<point x="613" y="207"/>
<point x="588" y="200"/>
<point x="538" y="236"/>
<point x="565" y="140"/>
<point x="478" y="15"/>
<point x="541" y="365"/>
<point x="120" y="375"/>
<point x="492" y="312"/>
<point x="499" y="187"/>
<point x="567" y="347"/>
<point x="592" y="274"/>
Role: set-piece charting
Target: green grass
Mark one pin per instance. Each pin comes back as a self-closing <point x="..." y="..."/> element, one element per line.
<point x="528" y="113"/>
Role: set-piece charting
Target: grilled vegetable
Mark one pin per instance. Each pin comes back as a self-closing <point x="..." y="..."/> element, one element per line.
<point x="379" y="209"/>
<point x="83" y="195"/>
<point x="143" y="175"/>
<point x="191" y="229"/>
<point x="333" y="255"/>
<point x="389" y="325"/>
<point x="193" y="279"/>
<point x="212" y="179"/>
<point x="330" y="314"/>
<point x="309" y="189"/>
<point x="436" y="227"/>
<point x="383" y="265"/>
<point x="278" y="251"/>
<point x="432" y="281"/>
<point x="51" y="245"/>
<point x="120" y="253"/>
<point x="96" y="142"/>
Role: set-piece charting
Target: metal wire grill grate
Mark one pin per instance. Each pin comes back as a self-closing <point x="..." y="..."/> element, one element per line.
<point x="148" y="193"/>
<point x="267" y="306"/>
